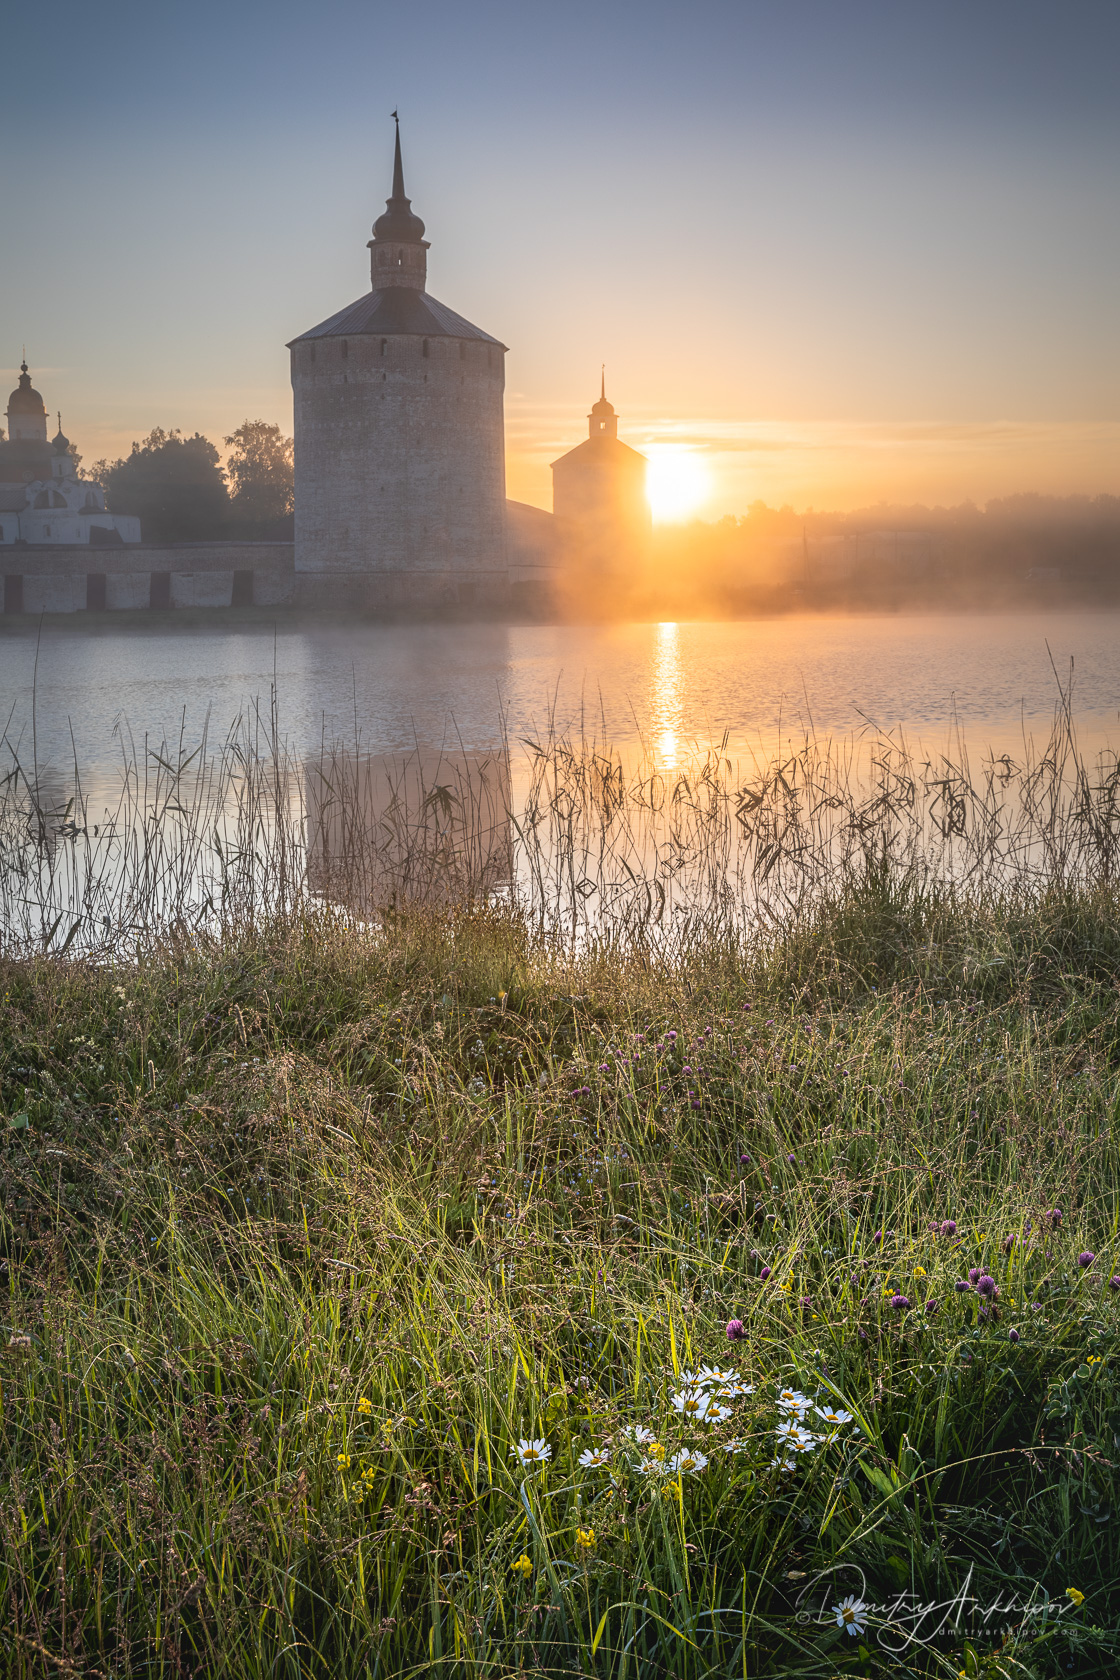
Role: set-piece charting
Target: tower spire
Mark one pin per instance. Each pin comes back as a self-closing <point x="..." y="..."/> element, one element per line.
<point x="603" y="382"/>
<point x="397" y="249"/>
<point x="398" y="166"/>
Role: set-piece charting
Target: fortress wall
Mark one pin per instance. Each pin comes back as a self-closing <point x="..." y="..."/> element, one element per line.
<point x="55" y="577"/>
<point x="400" y="455"/>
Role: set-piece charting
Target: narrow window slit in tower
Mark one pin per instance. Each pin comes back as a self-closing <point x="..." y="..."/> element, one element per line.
<point x="384" y="342"/>
<point x="345" y="348"/>
<point x="424" y="351"/>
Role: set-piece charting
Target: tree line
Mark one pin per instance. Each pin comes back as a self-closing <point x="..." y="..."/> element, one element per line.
<point x="181" y="492"/>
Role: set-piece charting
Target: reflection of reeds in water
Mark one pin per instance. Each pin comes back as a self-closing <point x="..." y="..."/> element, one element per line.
<point x="587" y="843"/>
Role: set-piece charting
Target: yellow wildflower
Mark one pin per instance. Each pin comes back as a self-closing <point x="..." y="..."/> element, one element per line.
<point x="357" y="1491"/>
<point x="1077" y="1597"/>
<point x="656" y="1450"/>
<point x="365" y="1407"/>
<point x="344" y="1461"/>
<point x="919" y="1271"/>
<point x="523" y="1566"/>
<point x="585" y="1538"/>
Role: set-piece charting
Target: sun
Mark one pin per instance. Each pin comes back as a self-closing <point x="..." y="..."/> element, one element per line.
<point x="677" y="482"/>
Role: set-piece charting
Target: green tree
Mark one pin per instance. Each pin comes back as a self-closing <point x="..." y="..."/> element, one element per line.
<point x="262" y="479"/>
<point x="175" y="484"/>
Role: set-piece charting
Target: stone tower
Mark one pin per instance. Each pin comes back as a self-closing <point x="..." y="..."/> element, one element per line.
<point x="602" y="512"/>
<point x="399" y="439"/>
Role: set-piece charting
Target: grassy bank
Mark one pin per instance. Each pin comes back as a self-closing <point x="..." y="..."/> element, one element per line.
<point x="305" y="1232"/>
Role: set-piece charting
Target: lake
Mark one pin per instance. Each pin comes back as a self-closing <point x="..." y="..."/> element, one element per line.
<point x="440" y="685"/>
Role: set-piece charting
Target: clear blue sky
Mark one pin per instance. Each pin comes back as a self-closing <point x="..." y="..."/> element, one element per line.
<point x="774" y="221"/>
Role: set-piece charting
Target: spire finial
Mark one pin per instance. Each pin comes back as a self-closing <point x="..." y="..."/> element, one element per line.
<point x="603" y="383"/>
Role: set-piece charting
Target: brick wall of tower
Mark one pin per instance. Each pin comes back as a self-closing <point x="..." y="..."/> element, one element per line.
<point x="399" y="456"/>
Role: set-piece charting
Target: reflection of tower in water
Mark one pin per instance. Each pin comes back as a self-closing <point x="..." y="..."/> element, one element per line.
<point x="665" y="697"/>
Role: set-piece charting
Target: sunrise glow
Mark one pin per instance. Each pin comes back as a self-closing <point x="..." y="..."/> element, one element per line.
<point x="677" y="483"/>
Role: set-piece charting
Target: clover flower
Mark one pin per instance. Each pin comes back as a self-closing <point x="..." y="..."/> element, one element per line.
<point x="523" y="1566"/>
<point x="851" y="1613"/>
<point x="735" y="1330"/>
<point x="975" y="1274"/>
<point x="764" y="1273"/>
<point x="688" y="1462"/>
<point x="1086" y="1259"/>
<point x="1114" y="1282"/>
<point x="948" y="1227"/>
<point x="1013" y="1336"/>
<point x="961" y="1287"/>
<point x="988" y="1288"/>
<point x="530" y="1454"/>
<point x="594" y="1458"/>
<point x="932" y="1305"/>
<point x="900" y="1303"/>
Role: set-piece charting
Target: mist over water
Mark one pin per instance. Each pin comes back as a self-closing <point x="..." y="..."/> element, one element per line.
<point x="396" y="687"/>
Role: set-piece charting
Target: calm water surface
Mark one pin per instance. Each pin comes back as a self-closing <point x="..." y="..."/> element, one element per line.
<point x="670" y="684"/>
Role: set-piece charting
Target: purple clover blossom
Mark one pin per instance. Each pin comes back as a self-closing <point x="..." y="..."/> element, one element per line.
<point x="1114" y="1282"/>
<point x="1086" y="1259"/>
<point x="988" y="1288"/>
<point x="764" y="1273"/>
<point x="791" y="1158"/>
<point x="1013" y="1336"/>
<point x="1055" y="1217"/>
<point x="948" y="1227"/>
<point x="878" y="1237"/>
<point x="975" y="1274"/>
<point x="961" y="1287"/>
<point x="735" y="1330"/>
<point x="744" y="1158"/>
<point x="932" y="1305"/>
<point x="900" y="1303"/>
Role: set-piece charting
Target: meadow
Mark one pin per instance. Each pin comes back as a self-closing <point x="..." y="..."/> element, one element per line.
<point x="461" y="1290"/>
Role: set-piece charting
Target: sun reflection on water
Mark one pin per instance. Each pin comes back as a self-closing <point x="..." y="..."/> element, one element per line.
<point x="665" y="703"/>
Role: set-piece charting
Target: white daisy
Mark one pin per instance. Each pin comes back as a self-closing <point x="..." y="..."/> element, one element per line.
<point x="793" y="1438"/>
<point x="594" y="1458"/>
<point x="689" y="1462"/>
<point x="652" y="1467"/>
<point x="690" y="1403"/>
<point x="712" y="1374"/>
<point x="851" y="1613"/>
<point x="792" y="1400"/>
<point x="639" y="1434"/>
<point x="717" y="1413"/>
<point x="735" y="1390"/>
<point x="735" y="1445"/>
<point x="783" y="1464"/>
<point x="531" y="1454"/>
<point x="836" y="1416"/>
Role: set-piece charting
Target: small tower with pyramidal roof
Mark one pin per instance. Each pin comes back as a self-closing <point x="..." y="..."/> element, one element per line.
<point x="399" y="439"/>
<point x="602" y="510"/>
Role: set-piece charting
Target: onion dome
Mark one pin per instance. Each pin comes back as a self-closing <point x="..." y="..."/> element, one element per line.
<point x="399" y="223"/>
<point x="25" y="399"/>
<point x="61" y="444"/>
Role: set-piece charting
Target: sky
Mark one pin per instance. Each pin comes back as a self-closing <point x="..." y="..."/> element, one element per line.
<point x="831" y="252"/>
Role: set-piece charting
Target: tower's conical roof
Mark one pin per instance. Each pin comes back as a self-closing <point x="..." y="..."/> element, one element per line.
<point x="398" y="222"/>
